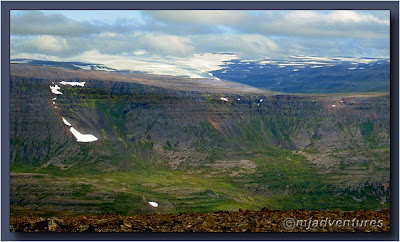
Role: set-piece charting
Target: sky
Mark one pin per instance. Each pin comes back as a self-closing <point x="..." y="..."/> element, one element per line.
<point x="129" y="37"/>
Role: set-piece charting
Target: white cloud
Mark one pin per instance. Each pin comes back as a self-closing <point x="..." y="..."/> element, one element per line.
<point x="200" y="16"/>
<point x="139" y="52"/>
<point x="38" y="22"/>
<point x="173" y="34"/>
<point x="313" y="23"/>
<point x="41" y="44"/>
<point x="245" y="44"/>
<point x="165" y="44"/>
<point x="107" y="35"/>
<point x="49" y="43"/>
<point x="35" y="56"/>
<point x="349" y="16"/>
<point x="321" y="24"/>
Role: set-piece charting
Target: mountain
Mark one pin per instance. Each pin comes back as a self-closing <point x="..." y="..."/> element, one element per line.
<point x="190" y="145"/>
<point x="69" y="65"/>
<point x="311" y="74"/>
<point x="297" y="74"/>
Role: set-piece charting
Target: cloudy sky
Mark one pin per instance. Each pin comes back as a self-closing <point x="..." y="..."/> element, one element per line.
<point x="159" y="35"/>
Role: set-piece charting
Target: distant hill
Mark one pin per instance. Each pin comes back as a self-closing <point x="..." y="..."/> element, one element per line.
<point x="345" y="75"/>
<point x="309" y="75"/>
<point x="69" y="65"/>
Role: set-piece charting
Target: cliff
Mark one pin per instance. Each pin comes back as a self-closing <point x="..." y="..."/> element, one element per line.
<point x="263" y="143"/>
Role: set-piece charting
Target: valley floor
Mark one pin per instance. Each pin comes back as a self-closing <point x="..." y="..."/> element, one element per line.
<point x="234" y="221"/>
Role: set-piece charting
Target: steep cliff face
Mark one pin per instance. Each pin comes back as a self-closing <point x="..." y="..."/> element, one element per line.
<point x="36" y="132"/>
<point x="210" y="133"/>
<point x="127" y="114"/>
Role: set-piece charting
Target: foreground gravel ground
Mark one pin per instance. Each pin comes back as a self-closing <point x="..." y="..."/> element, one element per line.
<point x="237" y="221"/>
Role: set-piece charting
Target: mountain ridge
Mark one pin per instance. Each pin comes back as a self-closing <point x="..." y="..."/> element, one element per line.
<point x="191" y="150"/>
<point x="297" y="74"/>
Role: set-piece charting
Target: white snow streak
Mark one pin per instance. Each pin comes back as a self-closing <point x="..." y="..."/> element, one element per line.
<point x="73" y="83"/>
<point x="154" y="204"/>
<point x="66" y="122"/>
<point x="82" y="137"/>
<point x="55" y="89"/>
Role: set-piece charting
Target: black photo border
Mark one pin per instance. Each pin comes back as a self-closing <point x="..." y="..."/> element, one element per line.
<point x="393" y="6"/>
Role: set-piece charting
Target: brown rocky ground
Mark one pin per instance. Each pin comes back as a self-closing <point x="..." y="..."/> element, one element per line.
<point x="237" y="221"/>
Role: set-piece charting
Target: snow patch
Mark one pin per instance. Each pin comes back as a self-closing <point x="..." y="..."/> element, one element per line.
<point x="333" y="106"/>
<point x="99" y="68"/>
<point x="82" y="137"/>
<point x="66" y="122"/>
<point x="290" y="64"/>
<point x="194" y="66"/>
<point x="154" y="204"/>
<point x="352" y="68"/>
<point x="355" y="60"/>
<point x="54" y="89"/>
<point x="295" y="69"/>
<point x="313" y="58"/>
<point x="81" y="84"/>
<point x="224" y="99"/>
<point x="266" y="62"/>
<point x="83" y="67"/>
<point x="213" y="75"/>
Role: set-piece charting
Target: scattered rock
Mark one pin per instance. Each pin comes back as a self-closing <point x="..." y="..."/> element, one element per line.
<point x="52" y="225"/>
<point x="222" y="221"/>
